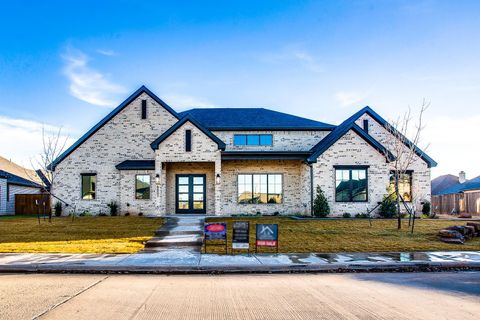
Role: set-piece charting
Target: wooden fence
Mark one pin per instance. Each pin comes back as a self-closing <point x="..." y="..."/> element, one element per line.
<point x="468" y="202"/>
<point x="32" y="203"/>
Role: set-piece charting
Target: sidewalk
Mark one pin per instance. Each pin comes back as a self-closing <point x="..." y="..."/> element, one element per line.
<point x="188" y="261"/>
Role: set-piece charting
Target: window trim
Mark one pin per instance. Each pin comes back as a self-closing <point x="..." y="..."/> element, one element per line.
<point x="264" y="173"/>
<point x="149" y="186"/>
<point x="246" y="135"/>
<point x="350" y="168"/>
<point x="409" y="172"/>
<point x="88" y="174"/>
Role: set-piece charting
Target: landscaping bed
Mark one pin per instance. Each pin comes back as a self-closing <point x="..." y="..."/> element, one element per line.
<point x="350" y="235"/>
<point x="82" y="235"/>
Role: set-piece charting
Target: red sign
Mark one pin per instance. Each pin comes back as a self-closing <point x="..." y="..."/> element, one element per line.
<point x="215" y="227"/>
<point x="267" y="243"/>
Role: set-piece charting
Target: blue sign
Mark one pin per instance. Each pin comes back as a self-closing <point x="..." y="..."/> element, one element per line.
<point x="215" y="231"/>
<point x="267" y="235"/>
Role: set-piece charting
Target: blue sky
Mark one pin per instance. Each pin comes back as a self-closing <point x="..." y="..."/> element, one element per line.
<point x="65" y="64"/>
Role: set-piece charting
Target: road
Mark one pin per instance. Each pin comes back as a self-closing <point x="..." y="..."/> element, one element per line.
<point x="282" y="296"/>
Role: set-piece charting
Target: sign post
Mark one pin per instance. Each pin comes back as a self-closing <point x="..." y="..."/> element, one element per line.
<point x="215" y="231"/>
<point x="241" y="235"/>
<point x="266" y="236"/>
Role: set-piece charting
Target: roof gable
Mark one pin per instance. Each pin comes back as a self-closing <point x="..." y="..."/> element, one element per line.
<point x="17" y="180"/>
<point x="107" y="118"/>
<point x="182" y="121"/>
<point x="430" y="162"/>
<point x="442" y="183"/>
<point x="472" y="184"/>
<point x="222" y="119"/>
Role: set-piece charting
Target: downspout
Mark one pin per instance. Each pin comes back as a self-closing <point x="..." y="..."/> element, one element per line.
<point x="311" y="189"/>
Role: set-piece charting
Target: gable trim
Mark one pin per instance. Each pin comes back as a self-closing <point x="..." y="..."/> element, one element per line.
<point x="107" y="118"/>
<point x="155" y="144"/>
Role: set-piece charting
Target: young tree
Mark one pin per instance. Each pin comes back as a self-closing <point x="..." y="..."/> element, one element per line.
<point x="320" y="204"/>
<point x="404" y="149"/>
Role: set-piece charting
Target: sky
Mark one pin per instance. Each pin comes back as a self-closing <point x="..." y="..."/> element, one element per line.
<point x="66" y="64"/>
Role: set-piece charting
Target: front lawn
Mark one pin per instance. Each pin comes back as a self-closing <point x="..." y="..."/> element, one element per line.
<point x="83" y="235"/>
<point x="352" y="235"/>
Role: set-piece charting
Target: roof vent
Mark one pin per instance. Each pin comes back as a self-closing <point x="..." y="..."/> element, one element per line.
<point x="461" y="177"/>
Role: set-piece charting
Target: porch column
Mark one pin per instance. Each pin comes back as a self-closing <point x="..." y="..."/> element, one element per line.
<point x="161" y="188"/>
<point x="218" y="185"/>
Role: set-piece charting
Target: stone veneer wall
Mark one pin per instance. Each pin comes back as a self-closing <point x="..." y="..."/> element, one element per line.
<point x="292" y="186"/>
<point x="282" y="140"/>
<point x="351" y="149"/>
<point x="421" y="180"/>
<point x="125" y="137"/>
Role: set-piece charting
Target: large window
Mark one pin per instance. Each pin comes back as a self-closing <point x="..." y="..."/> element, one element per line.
<point x="404" y="185"/>
<point x="260" y="188"/>
<point x="89" y="182"/>
<point x="142" y="186"/>
<point x="351" y="184"/>
<point x="253" y="139"/>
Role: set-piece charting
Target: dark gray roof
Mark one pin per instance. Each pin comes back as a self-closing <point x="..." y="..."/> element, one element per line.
<point x="17" y="180"/>
<point x="252" y="119"/>
<point x="472" y="184"/>
<point x="442" y="183"/>
<point x="136" y="165"/>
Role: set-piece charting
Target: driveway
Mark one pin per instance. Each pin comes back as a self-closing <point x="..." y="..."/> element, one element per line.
<point x="296" y="296"/>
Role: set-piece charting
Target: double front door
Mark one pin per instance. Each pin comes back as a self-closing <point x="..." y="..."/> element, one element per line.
<point x="190" y="193"/>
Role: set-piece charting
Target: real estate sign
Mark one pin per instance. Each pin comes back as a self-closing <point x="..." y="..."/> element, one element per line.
<point x="267" y="235"/>
<point x="241" y="232"/>
<point x="215" y="231"/>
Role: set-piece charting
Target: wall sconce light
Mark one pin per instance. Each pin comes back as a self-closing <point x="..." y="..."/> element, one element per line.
<point x="157" y="179"/>
<point x="217" y="178"/>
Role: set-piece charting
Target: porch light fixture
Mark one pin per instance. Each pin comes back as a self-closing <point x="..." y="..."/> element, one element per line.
<point x="157" y="179"/>
<point x="217" y="178"/>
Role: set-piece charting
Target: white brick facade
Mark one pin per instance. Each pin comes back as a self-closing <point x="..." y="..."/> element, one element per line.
<point x="127" y="136"/>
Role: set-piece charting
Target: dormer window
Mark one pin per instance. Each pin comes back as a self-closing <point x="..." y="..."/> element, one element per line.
<point x="144" y="109"/>
<point x="253" y="139"/>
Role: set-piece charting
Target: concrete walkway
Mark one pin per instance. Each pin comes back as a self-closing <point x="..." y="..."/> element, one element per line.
<point x="191" y="261"/>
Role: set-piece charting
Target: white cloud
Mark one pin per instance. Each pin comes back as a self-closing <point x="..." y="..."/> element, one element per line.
<point x="346" y="98"/>
<point x="177" y="101"/>
<point x="106" y="52"/>
<point x="454" y="144"/>
<point x="289" y="55"/>
<point x="21" y="139"/>
<point x="88" y="84"/>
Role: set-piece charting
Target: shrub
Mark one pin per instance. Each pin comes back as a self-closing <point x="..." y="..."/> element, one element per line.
<point x="58" y="208"/>
<point x="113" y="208"/>
<point x="347" y="215"/>
<point x="320" y="204"/>
<point x="140" y="214"/>
<point x="426" y="207"/>
<point x="102" y="214"/>
<point x="361" y="216"/>
<point x="126" y="214"/>
<point x="388" y="208"/>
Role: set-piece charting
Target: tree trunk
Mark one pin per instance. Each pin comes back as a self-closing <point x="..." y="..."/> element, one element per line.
<point x="399" y="221"/>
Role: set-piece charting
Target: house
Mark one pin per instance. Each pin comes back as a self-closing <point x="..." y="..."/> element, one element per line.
<point x="149" y="158"/>
<point x="455" y="195"/>
<point x="14" y="180"/>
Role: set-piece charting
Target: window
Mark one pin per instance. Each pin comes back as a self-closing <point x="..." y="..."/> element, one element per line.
<point x="144" y="109"/>
<point x="188" y="140"/>
<point x="351" y="184"/>
<point x="89" y="181"/>
<point x="404" y="185"/>
<point x="365" y="125"/>
<point x="142" y="186"/>
<point x="253" y="139"/>
<point x="260" y="188"/>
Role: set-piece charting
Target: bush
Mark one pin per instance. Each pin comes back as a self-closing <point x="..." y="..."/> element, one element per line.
<point x="388" y="208"/>
<point x="426" y="207"/>
<point x="113" y="208"/>
<point x="347" y="215"/>
<point x="361" y="216"/>
<point x="58" y="209"/>
<point x="320" y="204"/>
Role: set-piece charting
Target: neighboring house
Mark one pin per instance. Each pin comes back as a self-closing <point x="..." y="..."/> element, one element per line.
<point x="151" y="159"/>
<point x="14" y="180"/>
<point x="453" y="195"/>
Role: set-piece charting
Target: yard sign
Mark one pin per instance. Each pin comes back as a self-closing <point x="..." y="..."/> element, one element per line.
<point x="215" y="231"/>
<point x="241" y="235"/>
<point x="267" y="235"/>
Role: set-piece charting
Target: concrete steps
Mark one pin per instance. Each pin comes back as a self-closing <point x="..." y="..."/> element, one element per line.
<point x="184" y="232"/>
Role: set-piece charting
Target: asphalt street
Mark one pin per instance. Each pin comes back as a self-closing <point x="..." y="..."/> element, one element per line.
<point x="446" y="295"/>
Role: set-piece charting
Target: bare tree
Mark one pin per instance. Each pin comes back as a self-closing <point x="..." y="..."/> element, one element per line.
<point x="403" y="149"/>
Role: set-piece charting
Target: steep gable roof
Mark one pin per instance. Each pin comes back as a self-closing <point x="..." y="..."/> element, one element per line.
<point x="252" y="119"/>
<point x="430" y="162"/>
<point x="17" y="180"/>
<point x="442" y="183"/>
<point x="339" y="132"/>
<point x="188" y="118"/>
<point x="13" y="168"/>
<point x="112" y="114"/>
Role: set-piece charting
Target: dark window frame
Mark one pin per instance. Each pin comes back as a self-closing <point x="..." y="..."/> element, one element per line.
<point x="94" y="186"/>
<point x="149" y="186"/>
<point x="188" y="140"/>
<point x="365" y="125"/>
<point x="259" y="135"/>
<point x="350" y="168"/>
<point x="268" y="193"/>
<point x="144" y="109"/>
<point x="410" y="173"/>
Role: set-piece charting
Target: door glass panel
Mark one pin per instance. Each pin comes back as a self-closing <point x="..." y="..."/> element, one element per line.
<point x="183" y="197"/>
<point x="183" y="180"/>
<point x="191" y="193"/>
<point x="183" y="205"/>
<point x="197" y="180"/>
<point x="183" y="189"/>
<point x="198" y="189"/>
<point x="198" y="197"/>
<point x="198" y="205"/>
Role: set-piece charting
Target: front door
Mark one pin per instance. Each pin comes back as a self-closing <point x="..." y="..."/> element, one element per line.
<point x="190" y="193"/>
